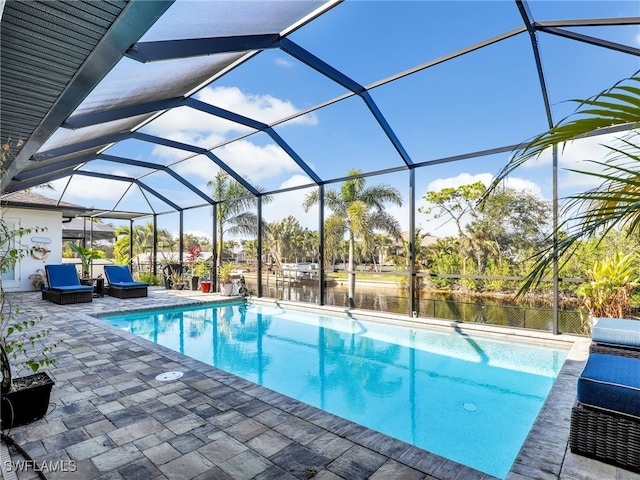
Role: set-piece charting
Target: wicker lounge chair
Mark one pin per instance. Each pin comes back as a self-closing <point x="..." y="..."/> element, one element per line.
<point x="605" y="420"/>
<point x="616" y="336"/>
<point x="121" y="283"/>
<point x="64" y="285"/>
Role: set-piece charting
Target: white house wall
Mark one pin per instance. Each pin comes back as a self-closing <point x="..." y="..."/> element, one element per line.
<point x="52" y="223"/>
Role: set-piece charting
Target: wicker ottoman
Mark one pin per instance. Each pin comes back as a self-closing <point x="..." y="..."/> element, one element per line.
<point x="605" y="421"/>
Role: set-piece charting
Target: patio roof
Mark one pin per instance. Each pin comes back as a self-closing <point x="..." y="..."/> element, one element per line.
<point x="85" y="82"/>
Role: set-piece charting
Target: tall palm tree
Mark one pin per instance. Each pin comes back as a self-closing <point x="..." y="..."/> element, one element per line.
<point x="358" y="211"/>
<point x="616" y="201"/>
<point x="233" y="215"/>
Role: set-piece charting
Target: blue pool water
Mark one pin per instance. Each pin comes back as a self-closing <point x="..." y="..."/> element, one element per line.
<point x="469" y="398"/>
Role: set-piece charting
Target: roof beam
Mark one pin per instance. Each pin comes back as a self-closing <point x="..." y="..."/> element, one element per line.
<point x="195" y="47"/>
<point x="382" y="121"/>
<point x="226" y="114"/>
<point x="525" y="13"/>
<point x="589" y="22"/>
<point x="319" y="66"/>
<point x="52" y="168"/>
<point x="618" y="47"/>
<point x="95" y="118"/>
<point x="96" y="143"/>
<point x="292" y="153"/>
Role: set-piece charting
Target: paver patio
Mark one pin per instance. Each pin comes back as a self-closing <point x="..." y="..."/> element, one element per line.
<point x="114" y="420"/>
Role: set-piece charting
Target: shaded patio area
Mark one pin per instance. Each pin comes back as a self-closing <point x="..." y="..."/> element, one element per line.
<point x="114" y="420"/>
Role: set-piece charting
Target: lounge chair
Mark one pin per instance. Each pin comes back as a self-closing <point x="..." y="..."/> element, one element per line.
<point x="64" y="285"/>
<point x="122" y="284"/>
<point x="616" y="336"/>
<point x="605" y="420"/>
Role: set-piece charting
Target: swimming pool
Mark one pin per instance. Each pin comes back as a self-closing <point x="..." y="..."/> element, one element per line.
<point x="469" y="398"/>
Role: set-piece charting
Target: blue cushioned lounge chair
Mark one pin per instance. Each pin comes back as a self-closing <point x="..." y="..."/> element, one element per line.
<point x="616" y="336"/>
<point x="64" y="285"/>
<point x="122" y="284"/>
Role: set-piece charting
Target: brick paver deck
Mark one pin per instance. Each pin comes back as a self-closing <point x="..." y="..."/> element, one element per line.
<point x="113" y="420"/>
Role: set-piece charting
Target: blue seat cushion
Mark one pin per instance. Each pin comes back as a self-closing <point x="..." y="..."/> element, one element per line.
<point x="62" y="275"/>
<point x="119" y="276"/>
<point x="128" y="284"/>
<point x="611" y="382"/>
<point x="73" y="288"/>
<point x="617" y="331"/>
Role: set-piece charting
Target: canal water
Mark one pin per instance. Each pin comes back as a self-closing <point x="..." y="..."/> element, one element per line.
<point x="449" y="306"/>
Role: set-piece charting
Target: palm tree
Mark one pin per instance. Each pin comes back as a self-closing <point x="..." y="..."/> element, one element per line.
<point x="359" y="212"/>
<point x="616" y="201"/>
<point x="232" y="213"/>
<point x="142" y="241"/>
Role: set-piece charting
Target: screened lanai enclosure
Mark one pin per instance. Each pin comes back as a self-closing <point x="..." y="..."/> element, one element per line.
<point x="336" y="151"/>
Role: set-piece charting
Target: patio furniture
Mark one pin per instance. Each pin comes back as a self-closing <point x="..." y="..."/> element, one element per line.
<point x="122" y="284"/>
<point x="616" y="336"/>
<point x="64" y="285"/>
<point x="605" y="420"/>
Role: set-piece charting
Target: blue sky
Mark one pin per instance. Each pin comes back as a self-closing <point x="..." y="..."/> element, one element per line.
<point x="485" y="99"/>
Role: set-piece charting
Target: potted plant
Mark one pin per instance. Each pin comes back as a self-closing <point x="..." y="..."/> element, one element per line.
<point x="38" y="279"/>
<point x="24" y="397"/>
<point x="87" y="255"/>
<point x="192" y="257"/>
<point x="202" y="271"/>
<point x="177" y="280"/>
<point x="608" y="291"/>
<point x="226" y="287"/>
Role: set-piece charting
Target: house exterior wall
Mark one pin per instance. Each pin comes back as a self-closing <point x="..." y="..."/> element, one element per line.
<point x="26" y="218"/>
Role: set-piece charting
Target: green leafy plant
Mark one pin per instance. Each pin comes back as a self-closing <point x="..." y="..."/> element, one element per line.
<point x="225" y="272"/>
<point x="177" y="278"/>
<point x="610" y="286"/>
<point x="87" y="255"/>
<point x="201" y="269"/>
<point x="25" y="348"/>
<point x="149" y="278"/>
<point x="22" y="345"/>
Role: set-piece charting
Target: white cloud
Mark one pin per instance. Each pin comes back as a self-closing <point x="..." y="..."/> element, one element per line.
<point x="264" y="108"/>
<point x="256" y="162"/>
<point x="290" y="203"/>
<point x="284" y="62"/>
<point x="575" y="151"/>
<point x="200" y="166"/>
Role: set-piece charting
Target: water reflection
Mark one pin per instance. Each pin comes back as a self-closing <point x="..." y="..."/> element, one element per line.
<point x="449" y="306"/>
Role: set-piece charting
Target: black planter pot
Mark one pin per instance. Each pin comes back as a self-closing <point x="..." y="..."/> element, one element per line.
<point x="28" y="402"/>
<point x="194" y="283"/>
